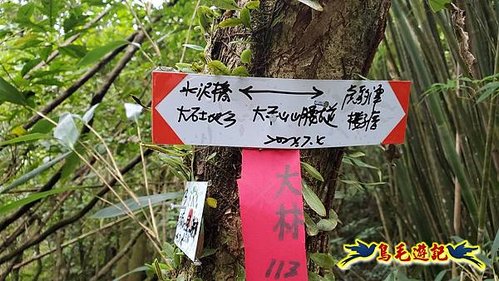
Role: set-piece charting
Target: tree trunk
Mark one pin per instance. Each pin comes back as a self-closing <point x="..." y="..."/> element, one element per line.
<point x="289" y="40"/>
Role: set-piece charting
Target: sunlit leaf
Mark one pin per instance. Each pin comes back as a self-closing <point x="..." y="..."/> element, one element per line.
<point x="313" y="201"/>
<point x="230" y="22"/>
<point x="218" y="68"/>
<point x="246" y="56"/>
<point x="312" y="171"/>
<point x="437" y="5"/>
<point x="225" y="4"/>
<point x="97" y="53"/>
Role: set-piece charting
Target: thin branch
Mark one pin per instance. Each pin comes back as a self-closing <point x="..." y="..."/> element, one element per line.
<point x="70" y="242"/>
<point x="80" y="82"/>
<point x="104" y="270"/>
<point x="65" y="222"/>
<point x="68" y="41"/>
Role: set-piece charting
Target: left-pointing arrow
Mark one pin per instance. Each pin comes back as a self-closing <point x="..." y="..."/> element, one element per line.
<point x="248" y="91"/>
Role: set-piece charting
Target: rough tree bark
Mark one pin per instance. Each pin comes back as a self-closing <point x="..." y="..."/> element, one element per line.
<point x="289" y="40"/>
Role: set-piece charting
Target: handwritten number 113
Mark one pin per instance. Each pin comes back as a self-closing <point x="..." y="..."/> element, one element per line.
<point x="292" y="267"/>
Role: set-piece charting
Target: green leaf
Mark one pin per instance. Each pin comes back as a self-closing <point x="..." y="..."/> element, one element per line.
<point x="225" y="4"/>
<point x="138" y="269"/>
<point x="312" y="4"/>
<point x="29" y="65"/>
<point x="51" y="9"/>
<point x="230" y="22"/>
<point x="245" y="17"/>
<point x="25" y="12"/>
<point x="312" y="171"/>
<point x="9" y="93"/>
<point x="33" y="197"/>
<point x="437" y="5"/>
<point x="25" y="138"/>
<point x="311" y="227"/>
<point x="33" y="173"/>
<point x="75" y="51"/>
<point x="143" y="202"/>
<point x="487" y="90"/>
<point x="327" y="224"/>
<point x="184" y="67"/>
<point x="194" y="47"/>
<point x="70" y="165"/>
<point x="218" y="68"/>
<point x="495" y="246"/>
<point x="205" y="16"/>
<point x="252" y="5"/>
<point x="43" y="126"/>
<point x="97" y="53"/>
<point x="240" y="71"/>
<point x="246" y="56"/>
<point x="313" y="201"/>
<point x="323" y="260"/>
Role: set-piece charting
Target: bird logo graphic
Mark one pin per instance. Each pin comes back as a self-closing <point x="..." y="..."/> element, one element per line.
<point x="357" y="252"/>
<point x="465" y="252"/>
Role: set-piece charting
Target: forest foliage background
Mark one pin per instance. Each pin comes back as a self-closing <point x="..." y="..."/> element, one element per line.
<point x="75" y="84"/>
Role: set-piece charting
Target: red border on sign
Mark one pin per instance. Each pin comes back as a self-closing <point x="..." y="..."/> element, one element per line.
<point x="402" y="90"/>
<point x="162" y="84"/>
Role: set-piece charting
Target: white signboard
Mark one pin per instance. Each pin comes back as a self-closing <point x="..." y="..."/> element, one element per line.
<point x="189" y="220"/>
<point x="276" y="113"/>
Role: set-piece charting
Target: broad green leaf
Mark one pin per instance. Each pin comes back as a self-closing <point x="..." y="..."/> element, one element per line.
<point x="487" y="91"/>
<point x="245" y="17"/>
<point x="311" y="227"/>
<point x="437" y="5"/>
<point x="230" y="22"/>
<point x="327" y="224"/>
<point x="66" y="131"/>
<point x="246" y="56"/>
<point x="323" y="260"/>
<point x="33" y="173"/>
<point x="143" y="202"/>
<point x="218" y="68"/>
<point x="24" y="138"/>
<point x="25" y="12"/>
<point x="225" y="4"/>
<point x="33" y="197"/>
<point x="51" y="10"/>
<point x="240" y="71"/>
<point x="9" y="93"/>
<point x="252" y="5"/>
<point x="313" y="201"/>
<point x="75" y="51"/>
<point x="313" y="4"/>
<point x="194" y="47"/>
<point x="357" y="162"/>
<point x="29" y="65"/>
<point x="205" y="16"/>
<point x="97" y="53"/>
<point x="312" y="171"/>
<point x="43" y="126"/>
